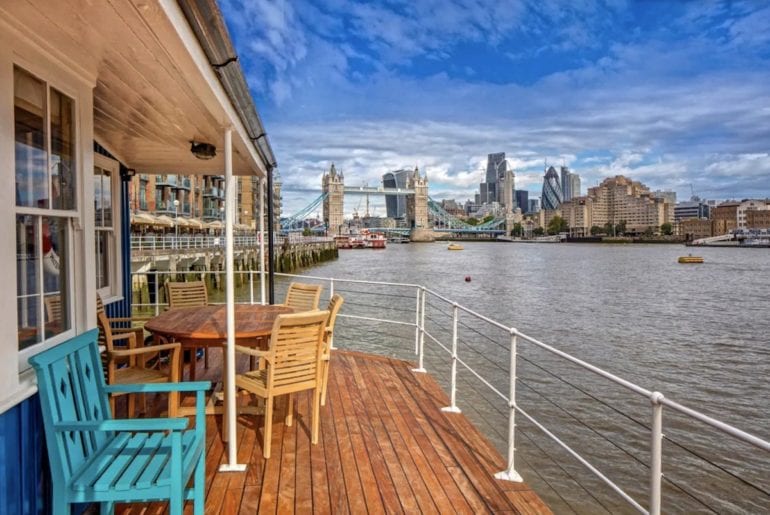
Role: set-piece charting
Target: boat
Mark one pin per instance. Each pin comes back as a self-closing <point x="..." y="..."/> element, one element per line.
<point x="454" y="246"/>
<point x="690" y="259"/>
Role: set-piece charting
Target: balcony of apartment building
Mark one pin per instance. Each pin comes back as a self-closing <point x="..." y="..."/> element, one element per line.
<point x="182" y="183"/>
<point x="165" y="180"/>
<point x="212" y="213"/>
<point x="214" y="192"/>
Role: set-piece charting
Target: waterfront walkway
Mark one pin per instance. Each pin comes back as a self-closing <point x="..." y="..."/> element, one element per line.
<point x="384" y="446"/>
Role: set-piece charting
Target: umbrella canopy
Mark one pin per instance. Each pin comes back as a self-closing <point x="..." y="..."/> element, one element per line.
<point x="164" y="221"/>
<point x="216" y="224"/>
<point x="143" y="219"/>
<point x="194" y="223"/>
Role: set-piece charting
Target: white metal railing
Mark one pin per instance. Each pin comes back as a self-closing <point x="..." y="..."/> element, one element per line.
<point x="419" y="294"/>
<point x="202" y="241"/>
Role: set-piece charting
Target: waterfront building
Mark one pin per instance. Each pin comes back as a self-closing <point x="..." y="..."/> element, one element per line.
<point x="619" y="199"/>
<point x="747" y="206"/>
<point x="522" y="200"/>
<point x="544" y="216"/>
<point x="578" y="213"/>
<point x="570" y="184"/>
<point x="534" y="205"/>
<point x="694" y="228"/>
<point x="395" y="205"/>
<point x="499" y="184"/>
<point x="693" y="208"/>
<point x="452" y="207"/>
<point x="725" y="217"/>
<point x="758" y="219"/>
<point x="552" y="194"/>
<point x="574" y="185"/>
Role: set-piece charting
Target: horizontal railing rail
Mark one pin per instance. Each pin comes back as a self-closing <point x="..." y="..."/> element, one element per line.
<point x="415" y="316"/>
<point x="202" y="241"/>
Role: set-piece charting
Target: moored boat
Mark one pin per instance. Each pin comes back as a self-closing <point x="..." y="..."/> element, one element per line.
<point x="454" y="246"/>
<point x="690" y="259"/>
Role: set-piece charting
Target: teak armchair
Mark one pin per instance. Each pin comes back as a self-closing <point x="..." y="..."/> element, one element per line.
<point x="293" y="364"/>
<point x="133" y="356"/>
<point x="303" y="297"/>
<point x="334" y="307"/>
<point x="185" y="295"/>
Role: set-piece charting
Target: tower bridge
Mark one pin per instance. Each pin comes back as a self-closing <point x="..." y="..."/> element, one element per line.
<point x="424" y="216"/>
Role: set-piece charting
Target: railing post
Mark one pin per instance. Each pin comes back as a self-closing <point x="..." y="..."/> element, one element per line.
<point x="452" y="408"/>
<point x="656" y="452"/>
<point x="251" y="287"/>
<point x="417" y="324"/>
<point x="331" y="288"/>
<point x="510" y="474"/>
<point x="157" y="299"/>
<point x="421" y="354"/>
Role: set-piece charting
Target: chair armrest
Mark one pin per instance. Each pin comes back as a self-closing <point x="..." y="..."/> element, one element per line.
<point x="134" y="424"/>
<point x="145" y="350"/>
<point x="252" y="352"/>
<point x="188" y="386"/>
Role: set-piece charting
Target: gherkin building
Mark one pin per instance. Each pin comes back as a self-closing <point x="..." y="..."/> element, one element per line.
<point x="552" y="195"/>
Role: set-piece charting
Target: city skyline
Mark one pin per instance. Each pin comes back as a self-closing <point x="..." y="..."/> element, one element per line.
<point x="673" y="98"/>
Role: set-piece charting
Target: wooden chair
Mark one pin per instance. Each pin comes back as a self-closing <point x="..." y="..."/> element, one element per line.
<point x="303" y="297"/>
<point x="293" y="364"/>
<point x="334" y="307"/>
<point x="127" y="364"/>
<point x="120" y="325"/>
<point x="97" y="459"/>
<point x="185" y="295"/>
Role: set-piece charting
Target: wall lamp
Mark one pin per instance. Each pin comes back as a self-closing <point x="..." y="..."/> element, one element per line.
<point x="203" y="150"/>
<point x="127" y="173"/>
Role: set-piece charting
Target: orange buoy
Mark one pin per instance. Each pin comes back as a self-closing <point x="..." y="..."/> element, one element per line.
<point x="467" y="278"/>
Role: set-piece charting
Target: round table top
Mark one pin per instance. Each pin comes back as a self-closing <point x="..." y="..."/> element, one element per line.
<point x="209" y="322"/>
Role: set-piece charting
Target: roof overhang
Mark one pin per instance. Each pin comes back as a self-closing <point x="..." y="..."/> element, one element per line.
<point x="155" y="90"/>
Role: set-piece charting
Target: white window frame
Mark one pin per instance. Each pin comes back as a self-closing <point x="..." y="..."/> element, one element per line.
<point x="72" y="216"/>
<point x="114" y="289"/>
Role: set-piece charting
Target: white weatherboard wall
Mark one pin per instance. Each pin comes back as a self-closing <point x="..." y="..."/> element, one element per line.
<point x="21" y="47"/>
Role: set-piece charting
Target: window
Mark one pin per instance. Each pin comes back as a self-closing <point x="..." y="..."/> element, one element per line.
<point x="106" y="210"/>
<point x="44" y="156"/>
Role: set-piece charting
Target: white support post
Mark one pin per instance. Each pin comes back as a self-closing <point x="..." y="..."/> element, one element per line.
<point x="262" y="240"/>
<point x="421" y="328"/>
<point x="510" y="474"/>
<point x="232" y="464"/>
<point x="251" y="287"/>
<point x="331" y="294"/>
<point x="656" y="452"/>
<point x="452" y="408"/>
<point x="417" y="323"/>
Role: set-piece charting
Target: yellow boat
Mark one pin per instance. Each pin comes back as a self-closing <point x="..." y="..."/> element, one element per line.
<point x="691" y="259"/>
<point x="454" y="246"/>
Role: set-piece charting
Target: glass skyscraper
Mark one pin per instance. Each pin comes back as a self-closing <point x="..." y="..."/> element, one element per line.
<point x="395" y="205"/>
<point x="552" y="194"/>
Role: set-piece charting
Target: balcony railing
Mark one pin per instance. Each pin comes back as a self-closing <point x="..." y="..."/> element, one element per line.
<point x="183" y="183"/>
<point x="165" y="180"/>
<point x="399" y="319"/>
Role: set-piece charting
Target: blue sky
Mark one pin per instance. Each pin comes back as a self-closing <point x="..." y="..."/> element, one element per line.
<point x="670" y="93"/>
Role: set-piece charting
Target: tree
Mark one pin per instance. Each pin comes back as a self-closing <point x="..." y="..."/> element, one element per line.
<point x="620" y="228"/>
<point x="488" y="218"/>
<point x="306" y="231"/>
<point x="609" y="229"/>
<point x="472" y="221"/>
<point x="517" y="231"/>
<point x="667" y="229"/>
<point x="538" y="231"/>
<point x="648" y="232"/>
<point x="557" y="225"/>
<point x="595" y="229"/>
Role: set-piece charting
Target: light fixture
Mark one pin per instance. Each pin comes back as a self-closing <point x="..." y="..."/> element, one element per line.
<point x="127" y="173"/>
<point x="203" y="150"/>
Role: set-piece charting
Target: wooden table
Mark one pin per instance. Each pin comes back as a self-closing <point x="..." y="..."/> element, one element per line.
<point x="205" y="326"/>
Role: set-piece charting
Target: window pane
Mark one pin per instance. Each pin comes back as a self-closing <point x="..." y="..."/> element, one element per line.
<point x="27" y="280"/>
<point x="103" y="239"/>
<point x="107" y="197"/>
<point x="29" y="119"/>
<point x="55" y="280"/>
<point x="98" y="197"/>
<point x="62" y="151"/>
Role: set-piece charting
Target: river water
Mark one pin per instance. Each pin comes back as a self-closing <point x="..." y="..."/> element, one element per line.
<point x="700" y="334"/>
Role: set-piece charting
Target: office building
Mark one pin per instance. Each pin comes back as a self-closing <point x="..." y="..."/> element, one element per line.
<point x="534" y="205"/>
<point x="552" y="194"/>
<point x="499" y="185"/>
<point x="522" y="200"/>
<point x="578" y="213"/>
<point x="691" y="209"/>
<point x="395" y="205"/>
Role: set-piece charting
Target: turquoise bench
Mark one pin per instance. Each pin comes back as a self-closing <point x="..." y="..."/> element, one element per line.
<point x="97" y="459"/>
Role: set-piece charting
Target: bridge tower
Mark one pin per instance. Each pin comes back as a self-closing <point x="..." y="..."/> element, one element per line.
<point x="333" y="184"/>
<point x="417" y="208"/>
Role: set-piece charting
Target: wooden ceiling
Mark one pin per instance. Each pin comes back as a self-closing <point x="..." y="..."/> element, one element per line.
<point x="152" y="97"/>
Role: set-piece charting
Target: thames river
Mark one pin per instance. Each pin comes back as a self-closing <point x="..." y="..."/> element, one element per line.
<point x="700" y="334"/>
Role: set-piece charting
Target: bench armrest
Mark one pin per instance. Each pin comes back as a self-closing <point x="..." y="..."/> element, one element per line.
<point x="134" y="424"/>
<point x="188" y="386"/>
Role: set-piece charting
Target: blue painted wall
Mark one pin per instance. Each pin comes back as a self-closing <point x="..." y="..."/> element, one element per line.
<point x="25" y="478"/>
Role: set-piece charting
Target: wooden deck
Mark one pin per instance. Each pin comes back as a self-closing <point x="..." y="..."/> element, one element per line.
<point x="384" y="446"/>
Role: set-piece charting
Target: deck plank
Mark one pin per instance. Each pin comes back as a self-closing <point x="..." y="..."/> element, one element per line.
<point x="384" y="447"/>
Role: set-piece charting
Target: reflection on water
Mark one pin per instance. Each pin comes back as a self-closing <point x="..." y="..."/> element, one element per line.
<point x="698" y="333"/>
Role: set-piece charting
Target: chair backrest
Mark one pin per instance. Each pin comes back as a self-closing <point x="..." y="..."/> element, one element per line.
<point x="295" y="351"/>
<point x="303" y="297"/>
<point x="334" y="307"/>
<point x="105" y="330"/>
<point x="71" y="388"/>
<point x="187" y="294"/>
